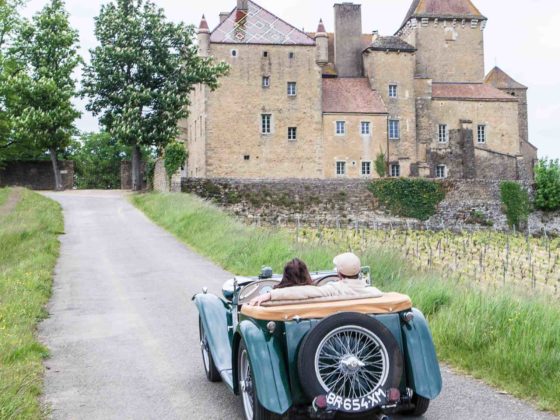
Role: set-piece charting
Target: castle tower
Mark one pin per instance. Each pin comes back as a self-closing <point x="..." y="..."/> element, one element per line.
<point x="322" y="42"/>
<point x="203" y="38"/>
<point x="348" y="39"/>
<point x="501" y="80"/>
<point x="449" y="37"/>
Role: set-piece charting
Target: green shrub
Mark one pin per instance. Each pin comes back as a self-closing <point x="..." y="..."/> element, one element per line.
<point x="175" y="157"/>
<point x="416" y="198"/>
<point x="515" y="200"/>
<point x="547" y="179"/>
<point x="381" y="165"/>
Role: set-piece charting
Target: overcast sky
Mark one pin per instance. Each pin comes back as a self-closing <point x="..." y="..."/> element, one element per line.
<point x="522" y="37"/>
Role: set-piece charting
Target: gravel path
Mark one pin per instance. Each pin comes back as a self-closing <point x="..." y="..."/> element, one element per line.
<point x="123" y="332"/>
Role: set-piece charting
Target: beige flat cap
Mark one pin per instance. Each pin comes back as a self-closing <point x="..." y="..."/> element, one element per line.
<point x="347" y="264"/>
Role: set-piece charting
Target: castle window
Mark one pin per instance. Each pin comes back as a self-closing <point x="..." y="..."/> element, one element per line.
<point x="234" y="53"/>
<point x="292" y="89"/>
<point x="266" y="123"/>
<point x="394" y="130"/>
<point x="443" y="133"/>
<point x="425" y="21"/>
<point x="246" y="157"/>
<point x="481" y="131"/>
<point x="341" y="128"/>
<point x="266" y="81"/>
<point x="292" y="133"/>
<point x="366" y="168"/>
<point x="265" y="54"/>
<point x="340" y="168"/>
<point x="441" y="171"/>
<point x="395" y="170"/>
<point x="474" y="23"/>
<point x="392" y="91"/>
<point x="291" y="55"/>
<point x="365" y="128"/>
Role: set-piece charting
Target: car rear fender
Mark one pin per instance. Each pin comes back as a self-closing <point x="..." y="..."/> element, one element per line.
<point x="214" y="315"/>
<point x="267" y="364"/>
<point x="422" y="367"/>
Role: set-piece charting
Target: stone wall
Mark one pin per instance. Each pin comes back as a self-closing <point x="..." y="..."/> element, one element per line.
<point x="161" y="180"/>
<point x="36" y="175"/>
<point x="469" y="204"/>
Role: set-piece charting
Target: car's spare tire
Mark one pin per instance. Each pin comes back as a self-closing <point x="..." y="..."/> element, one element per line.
<point x="351" y="358"/>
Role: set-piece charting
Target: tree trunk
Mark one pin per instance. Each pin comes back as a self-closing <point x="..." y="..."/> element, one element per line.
<point x="136" y="172"/>
<point x="57" y="177"/>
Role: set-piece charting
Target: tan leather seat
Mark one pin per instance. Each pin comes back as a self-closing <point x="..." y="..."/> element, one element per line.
<point x="323" y="307"/>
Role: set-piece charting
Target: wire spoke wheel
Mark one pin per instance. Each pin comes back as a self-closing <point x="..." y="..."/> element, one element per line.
<point x="351" y="362"/>
<point x="246" y="383"/>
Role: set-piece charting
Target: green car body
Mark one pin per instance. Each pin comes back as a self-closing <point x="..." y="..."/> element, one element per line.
<point x="273" y="353"/>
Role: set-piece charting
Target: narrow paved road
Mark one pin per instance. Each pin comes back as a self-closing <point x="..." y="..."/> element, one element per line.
<point x="123" y="331"/>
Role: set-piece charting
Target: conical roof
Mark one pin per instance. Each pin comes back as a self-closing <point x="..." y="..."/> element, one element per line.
<point x="501" y="80"/>
<point x="443" y="9"/>
<point x="203" y="27"/>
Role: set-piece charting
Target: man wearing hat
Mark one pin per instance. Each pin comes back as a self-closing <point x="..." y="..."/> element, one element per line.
<point x="349" y="285"/>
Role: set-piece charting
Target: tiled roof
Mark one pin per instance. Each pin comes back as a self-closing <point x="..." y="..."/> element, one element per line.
<point x="451" y="9"/>
<point x="351" y="95"/>
<point x="203" y="24"/>
<point x="501" y="80"/>
<point x="391" y="43"/>
<point x="469" y="92"/>
<point x="258" y="26"/>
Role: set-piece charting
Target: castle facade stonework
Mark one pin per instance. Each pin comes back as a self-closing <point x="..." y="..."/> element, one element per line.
<point x="327" y="105"/>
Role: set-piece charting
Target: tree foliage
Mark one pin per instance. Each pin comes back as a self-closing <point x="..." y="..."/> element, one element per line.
<point x="97" y="161"/>
<point x="408" y="197"/>
<point x="547" y="180"/>
<point x="174" y="157"/>
<point x="142" y="73"/>
<point x="515" y="200"/>
<point x="46" y="53"/>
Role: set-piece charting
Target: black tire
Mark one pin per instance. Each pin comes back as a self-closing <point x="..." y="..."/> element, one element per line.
<point x="212" y="372"/>
<point x="349" y="323"/>
<point x="421" y="405"/>
<point x="259" y="412"/>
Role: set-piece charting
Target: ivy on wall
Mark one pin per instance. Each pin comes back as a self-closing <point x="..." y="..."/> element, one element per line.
<point x="516" y="204"/>
<point x="414" y="198"/>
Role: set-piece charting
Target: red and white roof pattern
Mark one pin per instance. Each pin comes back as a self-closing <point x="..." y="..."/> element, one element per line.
<point x="258" y="26"/>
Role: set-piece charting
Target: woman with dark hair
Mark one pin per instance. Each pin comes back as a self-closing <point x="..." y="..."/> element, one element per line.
<point x="295" y="274"/>
<point x="349" y="285"/>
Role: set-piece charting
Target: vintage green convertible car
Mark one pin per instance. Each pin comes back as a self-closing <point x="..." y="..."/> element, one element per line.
<point x="318" y="358"/>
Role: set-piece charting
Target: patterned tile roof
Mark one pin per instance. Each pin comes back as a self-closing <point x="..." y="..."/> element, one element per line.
<point x="501" y="80"/>
<point x="454" y="9"/>
<point x="469" y="92"/>
<point x="351" y="95"/>
<point x="391" y="43"/>
<point x="257" y="26"/>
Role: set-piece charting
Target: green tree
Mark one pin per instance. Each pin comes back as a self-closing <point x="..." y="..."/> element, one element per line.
<point x="381" y="165"/>
<point x="141" y="75"/>
<point x="515" y="200"/>
<point x="547" y="180"/>
<point x="43" y="115"/>
<point x="9" y="23"/>
<point x="97" y="160"/>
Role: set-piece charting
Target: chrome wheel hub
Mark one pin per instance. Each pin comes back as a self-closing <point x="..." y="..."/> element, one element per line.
<point x="351" y="364"/>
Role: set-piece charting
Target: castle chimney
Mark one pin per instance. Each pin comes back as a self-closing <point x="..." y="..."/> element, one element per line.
<point x="223" y="16"/>
<point x="322" y="44"/>
<point x="203" y="38"/>
<point x="242" y="5"/>
<point x="347" y="39"/>
<point x="374" y="36"/>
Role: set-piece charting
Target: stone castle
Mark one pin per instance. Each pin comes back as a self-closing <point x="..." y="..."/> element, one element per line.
<point x="333" y="104"/>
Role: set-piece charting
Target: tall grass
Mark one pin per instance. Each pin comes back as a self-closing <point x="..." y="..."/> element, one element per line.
<point x="28" y="252"/>
<point x="509" y="341"/>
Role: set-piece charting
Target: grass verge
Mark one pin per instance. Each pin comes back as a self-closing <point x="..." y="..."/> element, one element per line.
<point x="508" y="341"/>
<point x="4" y="192"/>
<point x="28" y="252"/>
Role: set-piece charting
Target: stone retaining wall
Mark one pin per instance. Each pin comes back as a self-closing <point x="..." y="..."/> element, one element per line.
<point x="469" y="204"/>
